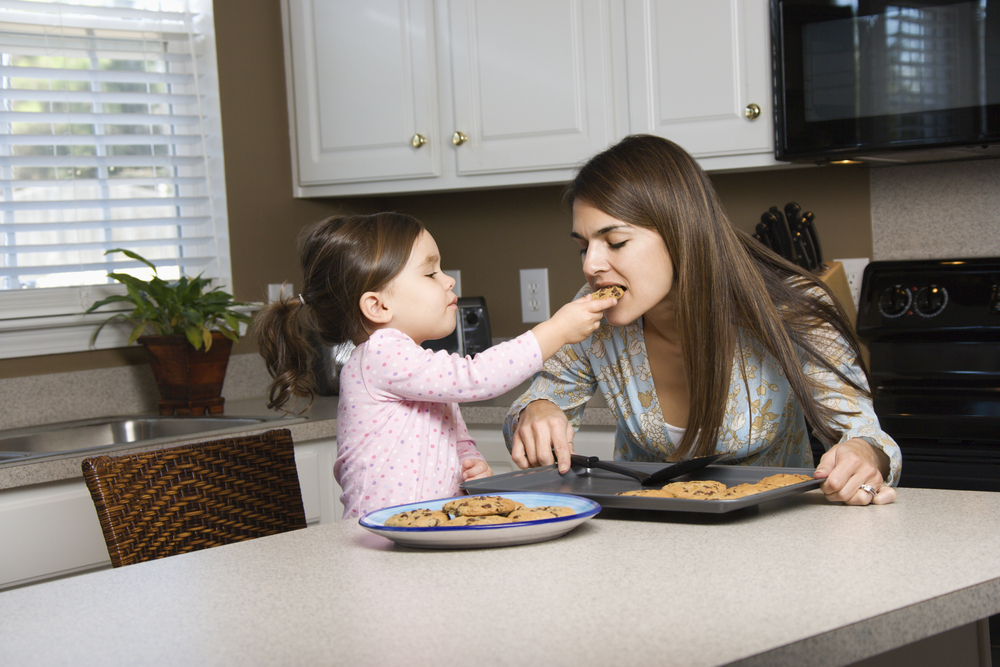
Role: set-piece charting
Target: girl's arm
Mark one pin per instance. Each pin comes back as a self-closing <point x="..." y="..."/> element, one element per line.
<point x="396" y="367"/>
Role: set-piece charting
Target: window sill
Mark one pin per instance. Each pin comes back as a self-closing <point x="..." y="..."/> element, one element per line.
<point x="37" y="336"/>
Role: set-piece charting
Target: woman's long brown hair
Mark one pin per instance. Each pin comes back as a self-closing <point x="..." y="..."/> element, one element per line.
<point x="724" y="280"/>
<point x="342" y="257"/>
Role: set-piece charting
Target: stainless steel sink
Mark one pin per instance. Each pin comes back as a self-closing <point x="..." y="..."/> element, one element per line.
<point x="43" y="440"/>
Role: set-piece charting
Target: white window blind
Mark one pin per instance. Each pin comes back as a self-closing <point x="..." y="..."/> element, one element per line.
<point x="109" y="138"/>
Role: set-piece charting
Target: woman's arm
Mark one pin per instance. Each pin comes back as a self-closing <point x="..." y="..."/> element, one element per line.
<point x="542" y="420"/>
<point x="865" y="454"/>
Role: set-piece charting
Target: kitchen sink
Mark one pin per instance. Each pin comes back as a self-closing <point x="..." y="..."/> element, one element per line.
<point x="88" y="434"/>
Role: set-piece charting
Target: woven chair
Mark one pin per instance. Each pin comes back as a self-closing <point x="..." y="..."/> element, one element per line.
<point x="197" y="496"/>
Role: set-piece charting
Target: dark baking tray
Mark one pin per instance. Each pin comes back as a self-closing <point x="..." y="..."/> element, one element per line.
<point x="603" y="486"/>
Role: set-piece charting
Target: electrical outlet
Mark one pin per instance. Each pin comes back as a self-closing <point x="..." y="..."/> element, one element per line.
<point x="278" y="290"/>
<point x="457" y="275"/>
<point x="855" y="270"/>
<point x="534" y="295"/>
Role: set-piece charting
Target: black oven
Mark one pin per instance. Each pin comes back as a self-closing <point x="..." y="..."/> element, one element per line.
<point x="886" y="81"/>
<point x="933" y="333"/>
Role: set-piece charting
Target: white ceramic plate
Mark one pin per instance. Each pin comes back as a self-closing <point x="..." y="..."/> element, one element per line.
<point x="491" y="535"/>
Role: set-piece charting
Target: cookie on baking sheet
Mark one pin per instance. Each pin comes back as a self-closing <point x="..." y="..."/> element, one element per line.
<point x="418" y="518"/>
<point x="706" y="489"/>
<point x="665" y="492"/>
<point x="609" y="291"/>
<point x="481" y="520"/>
<point x="783" y="479"/>
<point x="536" y="513"/>
<point x="480" y="506"/>
<point x="743" y="490"/>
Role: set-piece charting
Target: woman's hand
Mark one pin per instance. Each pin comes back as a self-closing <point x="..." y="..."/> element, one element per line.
<point x="542" y="428"/>
<point x="849" y="465"/>
<point x="475" y="469"/>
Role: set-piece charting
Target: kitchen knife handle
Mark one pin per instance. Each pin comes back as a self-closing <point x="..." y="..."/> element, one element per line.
<point x="809" y="222"/>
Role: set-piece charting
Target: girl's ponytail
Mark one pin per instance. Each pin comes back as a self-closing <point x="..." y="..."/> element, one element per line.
<point x="282" y="332"/>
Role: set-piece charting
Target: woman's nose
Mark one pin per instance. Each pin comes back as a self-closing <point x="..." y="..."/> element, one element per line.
<point x="594" y="262"/>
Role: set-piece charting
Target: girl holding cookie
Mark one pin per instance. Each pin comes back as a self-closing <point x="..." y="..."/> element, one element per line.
<point x="716" y="344"/>
<point x="376" y="280"/>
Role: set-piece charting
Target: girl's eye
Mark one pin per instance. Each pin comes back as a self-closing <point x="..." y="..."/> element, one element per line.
<point x="431" y="275"/>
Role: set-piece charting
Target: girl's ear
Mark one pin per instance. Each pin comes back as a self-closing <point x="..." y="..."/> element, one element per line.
<point x="374" y="308"/>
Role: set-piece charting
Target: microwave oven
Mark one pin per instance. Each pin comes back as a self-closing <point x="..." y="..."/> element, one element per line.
<point x="885" y="81"/>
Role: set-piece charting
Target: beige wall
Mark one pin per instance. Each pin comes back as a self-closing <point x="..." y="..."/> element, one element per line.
<point x="488" y="235"/>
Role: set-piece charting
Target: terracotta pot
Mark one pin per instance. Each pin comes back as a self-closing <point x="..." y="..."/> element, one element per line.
<point x="189" y="380"/>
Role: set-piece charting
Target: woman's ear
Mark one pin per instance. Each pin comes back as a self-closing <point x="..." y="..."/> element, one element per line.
<point x="374" y="308"/>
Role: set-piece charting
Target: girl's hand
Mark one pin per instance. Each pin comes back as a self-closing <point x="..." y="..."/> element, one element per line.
<point x="572" y="323"/>
<point x="849" y="465"/>
<point x="542" y="428"/>
<point x="475" y="469"/>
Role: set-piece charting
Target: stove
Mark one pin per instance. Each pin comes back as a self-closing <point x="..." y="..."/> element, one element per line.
<point x="933" y="332"/>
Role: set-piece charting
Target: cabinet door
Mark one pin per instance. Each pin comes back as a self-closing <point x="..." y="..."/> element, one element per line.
<point x="693" y="70"/>
<point x="364" y="83"/>
<point x="532" y="85"/>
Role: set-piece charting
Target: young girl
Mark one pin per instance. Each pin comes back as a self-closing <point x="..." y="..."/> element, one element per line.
<point x="376" y="280"/>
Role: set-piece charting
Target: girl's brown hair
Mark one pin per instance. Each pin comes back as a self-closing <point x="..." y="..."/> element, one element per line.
<point x="724" y="281"/>
<point x="342" y="257"/>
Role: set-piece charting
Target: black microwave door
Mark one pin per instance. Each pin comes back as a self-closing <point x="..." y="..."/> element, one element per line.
<point x="853" y="78"/>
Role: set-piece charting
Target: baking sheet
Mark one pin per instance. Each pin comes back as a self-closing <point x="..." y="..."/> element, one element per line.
<point x="603" y="486"/>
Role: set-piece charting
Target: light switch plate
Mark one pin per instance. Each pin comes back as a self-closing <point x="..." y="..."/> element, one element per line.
<point x="534" y="295"/>
<point x="277" y="290"/>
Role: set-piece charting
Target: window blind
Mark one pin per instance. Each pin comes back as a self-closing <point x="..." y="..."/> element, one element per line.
<point x="105" y="143"/>
<point x="110" y="137"/>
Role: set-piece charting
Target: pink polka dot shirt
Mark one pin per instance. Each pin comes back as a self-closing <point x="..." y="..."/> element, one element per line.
<point x="400" y="435"/>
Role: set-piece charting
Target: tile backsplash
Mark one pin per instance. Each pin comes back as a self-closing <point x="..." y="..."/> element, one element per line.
<point x="59" y="397"/>
<point x="947" y="210"/>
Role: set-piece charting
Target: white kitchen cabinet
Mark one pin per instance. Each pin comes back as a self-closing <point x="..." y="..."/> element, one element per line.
<point x="696" y="72"/>
<point x="389" y="96"/>
<point x="51" y="530"/>
<point x="415" y="95"/>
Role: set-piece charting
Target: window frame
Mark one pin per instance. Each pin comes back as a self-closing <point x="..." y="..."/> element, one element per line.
<point x="45" y="321"/>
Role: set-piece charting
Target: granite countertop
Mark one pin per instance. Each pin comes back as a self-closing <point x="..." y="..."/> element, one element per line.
<point x="318" y="423"/>
<point x="795" y="582"/>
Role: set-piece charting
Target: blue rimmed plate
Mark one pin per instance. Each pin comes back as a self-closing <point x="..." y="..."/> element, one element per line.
<point x="490" y="535"/>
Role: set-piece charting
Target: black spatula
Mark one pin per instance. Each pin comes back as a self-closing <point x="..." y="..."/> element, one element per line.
<point x="648" y="479"/>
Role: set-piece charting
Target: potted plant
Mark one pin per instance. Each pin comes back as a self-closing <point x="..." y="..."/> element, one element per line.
<point x="189" y="333"/>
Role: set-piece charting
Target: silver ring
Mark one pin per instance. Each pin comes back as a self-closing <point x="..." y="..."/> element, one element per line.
<point x="870" y="489"/>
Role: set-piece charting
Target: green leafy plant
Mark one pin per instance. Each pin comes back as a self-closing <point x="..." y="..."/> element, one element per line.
<point x="176" y="307"/>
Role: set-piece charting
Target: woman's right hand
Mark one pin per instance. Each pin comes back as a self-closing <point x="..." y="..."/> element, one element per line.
<point x="541" y="429"/>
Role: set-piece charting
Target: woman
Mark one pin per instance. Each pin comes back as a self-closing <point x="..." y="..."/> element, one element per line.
<point x="718" y="344"/>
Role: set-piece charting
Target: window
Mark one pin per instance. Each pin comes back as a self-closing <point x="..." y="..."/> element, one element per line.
<point x="110" y="137"/>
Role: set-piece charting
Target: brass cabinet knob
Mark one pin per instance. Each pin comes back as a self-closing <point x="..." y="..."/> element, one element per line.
<point x="752" y="111"/>
<point x="459" y="138"/>
<point x="418" y="140"/>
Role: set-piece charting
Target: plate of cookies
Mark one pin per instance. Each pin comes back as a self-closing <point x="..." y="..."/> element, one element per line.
<point x="479" y="521"/>
<point x="713" y="489"/>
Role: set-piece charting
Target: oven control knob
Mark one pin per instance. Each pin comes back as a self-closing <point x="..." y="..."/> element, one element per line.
<point x="895" y="301"/>
<point x="931" y="301"/>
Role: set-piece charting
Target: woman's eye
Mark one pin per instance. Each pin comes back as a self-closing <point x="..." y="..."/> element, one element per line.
<point x="616" y="246"/>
